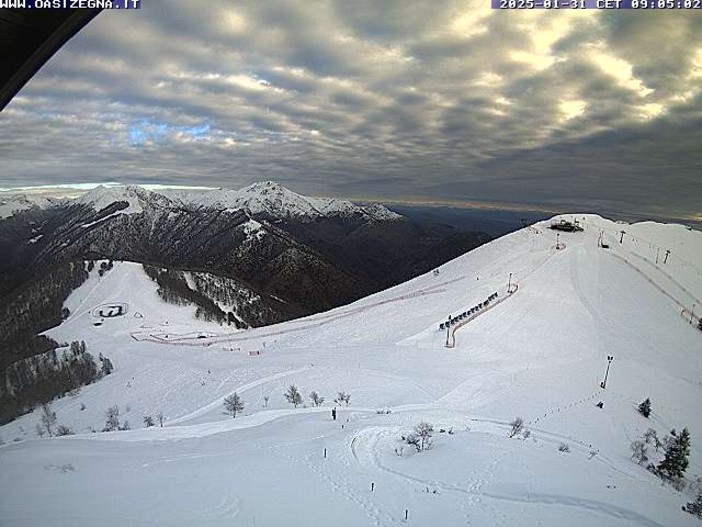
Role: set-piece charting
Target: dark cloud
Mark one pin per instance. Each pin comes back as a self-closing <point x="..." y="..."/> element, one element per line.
<point x="442" y="100"/>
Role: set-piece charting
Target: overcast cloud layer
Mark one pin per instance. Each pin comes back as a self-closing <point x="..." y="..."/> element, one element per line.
<point x="398" y="100"/>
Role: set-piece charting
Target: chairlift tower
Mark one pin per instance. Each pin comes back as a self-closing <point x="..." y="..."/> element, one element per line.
<point x="610" y="358"/>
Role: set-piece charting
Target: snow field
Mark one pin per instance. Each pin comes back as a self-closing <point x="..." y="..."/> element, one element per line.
<point x="540" y="354"/>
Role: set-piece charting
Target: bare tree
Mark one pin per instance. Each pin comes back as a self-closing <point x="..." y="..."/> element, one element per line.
<point x="233" y="404"/>
<point x="424" y="431"/>
<point x="316" y="399"/>
<point x="419" y="437"/>
<point x="517" y="426"/>
<point x="159" y="416"/>
<point x="48" y="419"/>
<point x="111" y="419"/>
<point x="148" y="421"/>
<point x="63" y="430"/>
<point x="651" y="437"/>
<point x="292" y="395"/>
<point x="412" y="439"/>
<point x="343" y="397"/>
<point x="639" y="452"/>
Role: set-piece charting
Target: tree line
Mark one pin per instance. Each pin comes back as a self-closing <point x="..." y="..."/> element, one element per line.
<point x="36" y="380"/>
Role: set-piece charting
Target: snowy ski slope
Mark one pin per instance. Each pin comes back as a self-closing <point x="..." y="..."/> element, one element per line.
<point x="540" y="354"/>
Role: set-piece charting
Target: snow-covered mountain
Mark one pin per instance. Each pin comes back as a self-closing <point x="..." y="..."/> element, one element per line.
<point x="264" y="199"/>
<point x="10" y="204"/>
<point x="137" y="199"/>
<point x="537" y="350"/>
<point x="310" y="253"/>
<point x="274" y="201"/>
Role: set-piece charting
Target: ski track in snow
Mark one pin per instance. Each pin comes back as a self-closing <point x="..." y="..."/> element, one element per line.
<point x="369" y="455"/>
<point x="240" y="390"/>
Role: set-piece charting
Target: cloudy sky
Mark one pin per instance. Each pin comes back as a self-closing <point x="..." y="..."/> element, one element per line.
<point x="431" y="101"/>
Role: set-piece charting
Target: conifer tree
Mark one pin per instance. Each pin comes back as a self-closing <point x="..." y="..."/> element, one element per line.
<point x="677" y="450"/>
<point x="645" y="408"/>
<point x="233" y="404"/>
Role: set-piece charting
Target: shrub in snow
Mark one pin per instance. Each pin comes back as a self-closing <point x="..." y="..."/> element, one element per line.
<point x="526" y="433"/>
<point x="292" y="395"/>
<point x="645" y="408"/>
<point x="695" y="507"/>
<point x="125" y="426"/>
<point x="82" y="407"/>
<point x="148" y="421"/>
<point x="343" y="397"/>
<point x="639" y="452"/>
<point x="564" y="447"/>
<point x="412" y="439"/>
<point x="111" y="419"/>
<point x="677" y="450"/>
<point x="63" y="430"/>
<point x="233" y="404"/>
<point x="265" y="401"/>
<point x="316" y="398"/>
<point x="517" y="426"/>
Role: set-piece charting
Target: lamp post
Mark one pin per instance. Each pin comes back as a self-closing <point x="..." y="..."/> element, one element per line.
<point x="621" y="238"/>
<point x="509" y="283"/>
<point x="610" y="358"/>
<point x="667" y="253"/>
<point x="558" y="240"/>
